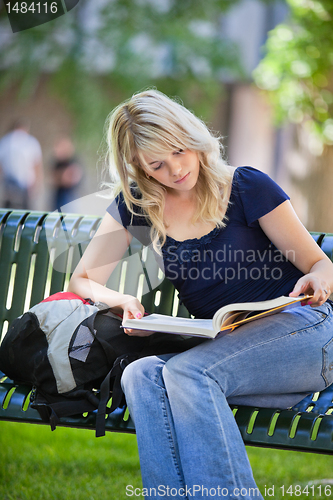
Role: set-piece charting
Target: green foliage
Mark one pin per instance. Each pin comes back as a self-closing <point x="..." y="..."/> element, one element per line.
<point x="297" y="68"/>
<point x="102" y="52"/>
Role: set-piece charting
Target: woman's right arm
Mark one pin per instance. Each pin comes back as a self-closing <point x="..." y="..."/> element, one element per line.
<point x="102" y="255"/>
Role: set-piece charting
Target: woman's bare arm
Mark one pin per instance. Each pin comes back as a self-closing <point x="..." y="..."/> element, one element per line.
<point x="101" y="257"/>
<point x="288" y="234"/>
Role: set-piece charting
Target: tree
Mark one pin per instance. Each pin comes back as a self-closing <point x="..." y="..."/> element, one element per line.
<point x="297" y="73"/>
<point x="297" y="69"/>
<point x="102" y="51"/>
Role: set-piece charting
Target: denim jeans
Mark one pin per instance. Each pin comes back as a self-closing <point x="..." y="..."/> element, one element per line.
<point x="189" y="443"/>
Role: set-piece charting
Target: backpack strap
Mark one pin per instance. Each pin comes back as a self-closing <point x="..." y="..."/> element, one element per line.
<point x="101" y="412"/>
<point x="118" y="398"/>
<point x="51" y="412"/>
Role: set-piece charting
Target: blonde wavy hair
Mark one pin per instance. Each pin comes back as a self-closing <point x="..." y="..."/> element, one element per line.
<point x="150" y="123"/>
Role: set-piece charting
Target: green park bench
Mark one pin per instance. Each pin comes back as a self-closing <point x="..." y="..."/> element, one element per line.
<point x="38" y="252"/>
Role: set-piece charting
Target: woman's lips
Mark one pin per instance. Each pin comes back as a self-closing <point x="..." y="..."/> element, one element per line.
<point x="182" y="179"/>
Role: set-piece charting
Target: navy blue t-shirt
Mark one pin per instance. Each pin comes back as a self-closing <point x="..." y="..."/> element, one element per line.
<point x="236" y="263"/>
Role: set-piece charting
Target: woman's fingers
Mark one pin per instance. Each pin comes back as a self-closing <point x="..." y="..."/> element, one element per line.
<point x="137" y="333"/>
<point x="135" y="310"/>
<point x="312" y="285"/>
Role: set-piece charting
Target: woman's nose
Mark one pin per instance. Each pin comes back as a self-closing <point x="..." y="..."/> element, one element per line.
<point x="175" y="167"/>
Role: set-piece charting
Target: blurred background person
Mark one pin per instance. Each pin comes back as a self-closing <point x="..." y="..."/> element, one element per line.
<point x="21" y="166"/>
<point x="67" y="173"/>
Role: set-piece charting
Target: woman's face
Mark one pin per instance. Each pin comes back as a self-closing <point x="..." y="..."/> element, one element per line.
<point x="178" y="170"/>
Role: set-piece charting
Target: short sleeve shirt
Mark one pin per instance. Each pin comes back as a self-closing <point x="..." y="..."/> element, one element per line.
<point x="235" y="263"/>
<point x="19" y="153"/>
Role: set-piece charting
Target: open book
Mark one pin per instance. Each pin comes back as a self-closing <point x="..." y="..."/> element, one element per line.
<point x="227" y="318"/>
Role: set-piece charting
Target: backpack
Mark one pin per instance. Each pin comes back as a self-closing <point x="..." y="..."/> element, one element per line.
<point x="72" y="352"/>
<point x="66" y="347"/>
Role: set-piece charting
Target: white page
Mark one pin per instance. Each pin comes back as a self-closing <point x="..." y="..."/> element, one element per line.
<point x="171" y="324"/>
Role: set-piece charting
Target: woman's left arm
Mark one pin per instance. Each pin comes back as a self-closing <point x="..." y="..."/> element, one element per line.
<point x="287" y="233"/>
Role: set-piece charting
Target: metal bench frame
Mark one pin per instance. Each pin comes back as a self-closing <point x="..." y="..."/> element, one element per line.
<point x="39" y="250"/>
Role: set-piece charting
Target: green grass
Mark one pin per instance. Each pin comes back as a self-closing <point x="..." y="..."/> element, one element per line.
<point x="71" y="464"/>
<point x="282" y="469"/>
<point x="67" y="464"/>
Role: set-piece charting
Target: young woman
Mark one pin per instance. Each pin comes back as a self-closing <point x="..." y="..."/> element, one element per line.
<point x="225" y="235"/>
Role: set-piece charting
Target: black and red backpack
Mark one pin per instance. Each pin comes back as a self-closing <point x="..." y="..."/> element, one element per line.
<point x="67" y="348"/>
<point x="72" y="352"/>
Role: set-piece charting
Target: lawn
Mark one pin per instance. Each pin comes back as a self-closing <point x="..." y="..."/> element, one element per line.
<point x="71" y="464"/>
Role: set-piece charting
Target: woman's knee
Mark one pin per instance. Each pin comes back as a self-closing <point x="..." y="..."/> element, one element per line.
<point x="182" y="369"/>
<point x="142" y="371"/>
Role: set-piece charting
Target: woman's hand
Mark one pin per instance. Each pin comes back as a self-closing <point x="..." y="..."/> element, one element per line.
<point x="133" y="309"/>
<point x="311" y="284"/>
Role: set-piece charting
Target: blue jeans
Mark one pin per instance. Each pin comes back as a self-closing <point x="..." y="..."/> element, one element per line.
<point x="189" y="443"/>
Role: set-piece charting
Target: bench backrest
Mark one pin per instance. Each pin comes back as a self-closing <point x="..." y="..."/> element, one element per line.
<point x="39" y="251"/>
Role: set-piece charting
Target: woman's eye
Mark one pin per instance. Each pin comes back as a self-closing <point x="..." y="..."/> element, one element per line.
<point x="180" y="151"/>
<point x="158" y="167"/>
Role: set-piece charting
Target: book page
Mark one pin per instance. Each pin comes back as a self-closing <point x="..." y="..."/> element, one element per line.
<point x="232" y="317"/>
<point x="255" y="315"/>
<point x="172" y="324"/>
<point x="253" y="309"/>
